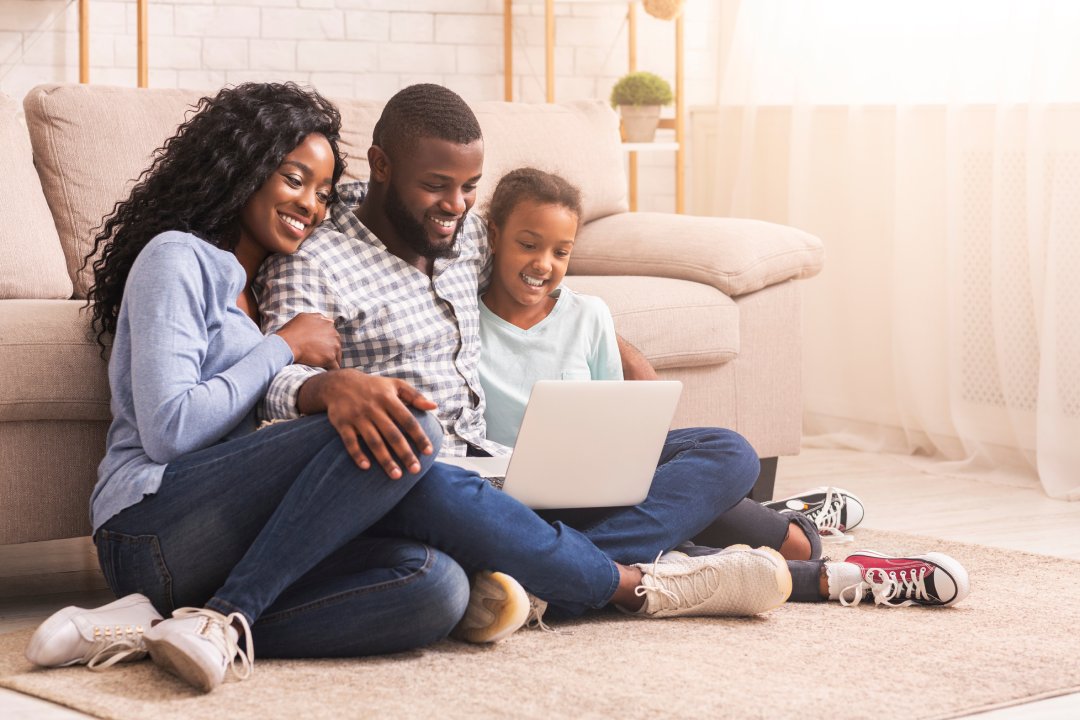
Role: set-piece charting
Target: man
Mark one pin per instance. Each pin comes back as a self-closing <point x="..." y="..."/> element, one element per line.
<point x="398" y="266"/>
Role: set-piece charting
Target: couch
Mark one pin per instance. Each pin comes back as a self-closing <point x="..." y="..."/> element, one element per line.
<point x="713" y="302"/>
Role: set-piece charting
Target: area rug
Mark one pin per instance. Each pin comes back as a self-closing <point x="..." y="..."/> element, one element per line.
<point x="1013" y="640"/>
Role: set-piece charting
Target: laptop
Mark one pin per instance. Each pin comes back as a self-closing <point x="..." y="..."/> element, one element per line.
<point x="592" y="443"/>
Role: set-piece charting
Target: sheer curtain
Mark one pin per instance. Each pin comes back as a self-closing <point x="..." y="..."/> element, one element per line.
<point x="935" y="148"/>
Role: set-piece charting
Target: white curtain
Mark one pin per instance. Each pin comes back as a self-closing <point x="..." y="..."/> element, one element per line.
<point x="935" y="147"/>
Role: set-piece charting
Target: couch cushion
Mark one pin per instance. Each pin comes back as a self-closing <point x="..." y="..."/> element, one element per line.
<point x="90" y="143"/>
<point x="735" y="255"/>
<point x="33" y="264"/>
<point x="52" y="369"/>
<point x="579" y="140"/>
<point x="675" y="323"/>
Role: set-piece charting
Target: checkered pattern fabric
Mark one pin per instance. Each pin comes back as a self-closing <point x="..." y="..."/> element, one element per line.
<point x="394" y="320"/>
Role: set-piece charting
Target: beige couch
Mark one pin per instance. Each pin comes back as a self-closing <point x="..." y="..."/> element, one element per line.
<point x="713" y="302"/>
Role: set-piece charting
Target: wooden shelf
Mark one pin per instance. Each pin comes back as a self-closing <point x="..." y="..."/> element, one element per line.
<point x="677" y="123"/>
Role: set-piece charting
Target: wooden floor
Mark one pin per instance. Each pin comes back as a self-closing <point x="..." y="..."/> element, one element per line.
<point x="37" y="579"/>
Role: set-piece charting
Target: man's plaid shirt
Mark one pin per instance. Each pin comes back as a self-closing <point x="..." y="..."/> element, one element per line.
<point x="394" y="320"/>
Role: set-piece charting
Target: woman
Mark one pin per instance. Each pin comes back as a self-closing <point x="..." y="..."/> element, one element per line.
<point x="228" y="530"/>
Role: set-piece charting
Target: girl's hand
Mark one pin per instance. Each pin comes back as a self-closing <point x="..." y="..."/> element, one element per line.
<point x="314" y="340"/>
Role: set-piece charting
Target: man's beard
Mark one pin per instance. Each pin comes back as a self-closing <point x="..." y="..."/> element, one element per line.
<point x="413" y="233"/>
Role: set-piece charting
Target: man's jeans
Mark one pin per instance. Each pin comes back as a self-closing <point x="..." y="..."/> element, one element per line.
<point x="271" y="525"/>
<point x="702" y="474"/>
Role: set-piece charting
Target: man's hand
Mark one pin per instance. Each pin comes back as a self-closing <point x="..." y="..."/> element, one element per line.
<point x="373" y="409"/>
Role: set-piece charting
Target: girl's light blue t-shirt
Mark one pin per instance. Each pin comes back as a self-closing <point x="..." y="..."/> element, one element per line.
<point x="186" y="370"/>
<point x="576" y="341"/>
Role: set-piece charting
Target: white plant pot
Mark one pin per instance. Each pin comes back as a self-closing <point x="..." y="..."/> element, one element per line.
<point x="639" y="122"/>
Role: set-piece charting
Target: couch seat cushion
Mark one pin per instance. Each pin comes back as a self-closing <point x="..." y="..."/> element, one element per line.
<point x="675" y="323"/>
<point x="52" y="370"/>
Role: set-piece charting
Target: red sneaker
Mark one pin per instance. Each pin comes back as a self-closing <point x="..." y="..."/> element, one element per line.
<point x="933" y="579"/>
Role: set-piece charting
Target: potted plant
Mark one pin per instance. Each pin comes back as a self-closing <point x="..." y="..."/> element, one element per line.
<point x="639" y="95"/>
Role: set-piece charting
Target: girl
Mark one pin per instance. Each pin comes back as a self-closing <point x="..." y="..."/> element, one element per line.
<point x="533" y="329"/>
<point x="195" y="516"/>
<point x="527" y="320"/>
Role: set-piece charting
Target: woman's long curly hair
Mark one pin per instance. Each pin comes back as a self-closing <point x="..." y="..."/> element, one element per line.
<point x="202" y="177"/>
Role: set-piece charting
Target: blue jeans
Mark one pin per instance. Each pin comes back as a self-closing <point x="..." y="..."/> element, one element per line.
<point x="702" y="473"/>
<point x="273" y="525"/>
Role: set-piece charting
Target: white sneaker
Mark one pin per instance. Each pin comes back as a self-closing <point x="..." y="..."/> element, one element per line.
<point x="198" y="645"/>
<point x="99" y="637"/>
<point x="498" y="606"/>
<point x="734" y="582"/>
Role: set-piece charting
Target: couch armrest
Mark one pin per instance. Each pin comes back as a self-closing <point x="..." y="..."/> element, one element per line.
<point x="734" y="255"/>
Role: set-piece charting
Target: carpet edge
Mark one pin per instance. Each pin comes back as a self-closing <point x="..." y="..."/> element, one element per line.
<point x="1048" y="695"/>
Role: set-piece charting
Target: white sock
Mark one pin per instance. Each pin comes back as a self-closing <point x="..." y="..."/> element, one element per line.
<point x="841" y="575"/>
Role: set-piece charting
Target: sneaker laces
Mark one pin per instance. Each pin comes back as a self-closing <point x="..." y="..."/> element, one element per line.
<point x="113" y="644"/>
<point x="693" y="588"/>
<point x="885" y="587"/>
<point x="827" y="518"/>
<point x="223" y="640"/>
<point x="537" y="608"/>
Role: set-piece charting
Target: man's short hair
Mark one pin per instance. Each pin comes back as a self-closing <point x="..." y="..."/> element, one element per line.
<point x="421" y="111"/>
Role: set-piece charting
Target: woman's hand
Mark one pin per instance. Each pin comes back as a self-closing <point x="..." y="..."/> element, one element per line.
<point x="314" y="340"/>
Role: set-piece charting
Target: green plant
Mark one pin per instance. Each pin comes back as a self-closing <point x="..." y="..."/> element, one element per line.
<point x="641" y="88"/>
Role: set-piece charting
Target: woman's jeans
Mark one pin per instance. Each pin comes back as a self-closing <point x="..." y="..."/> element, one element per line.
<point x="272" y="525"/>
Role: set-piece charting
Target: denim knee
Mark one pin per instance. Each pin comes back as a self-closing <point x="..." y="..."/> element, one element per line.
<point x="735" y="458"/>
<point x="748" y="466"/>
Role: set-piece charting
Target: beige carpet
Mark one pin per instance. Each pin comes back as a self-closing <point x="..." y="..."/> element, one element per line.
<point x="1014" y="639"/>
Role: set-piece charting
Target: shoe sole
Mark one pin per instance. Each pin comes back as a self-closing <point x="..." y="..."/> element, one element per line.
<point x="956" y="572"/>
<point x="175" y="661"/>
<point x="504" y="600"/>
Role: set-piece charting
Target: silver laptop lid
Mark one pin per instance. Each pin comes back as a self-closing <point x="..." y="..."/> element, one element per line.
<point x="590" y="443"/>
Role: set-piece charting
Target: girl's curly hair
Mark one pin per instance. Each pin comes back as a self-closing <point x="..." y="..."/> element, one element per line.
<point x="201" y="178"/>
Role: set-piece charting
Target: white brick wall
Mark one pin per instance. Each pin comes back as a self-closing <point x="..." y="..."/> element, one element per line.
<point x="362" y="48"/>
